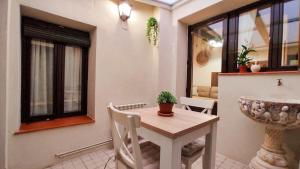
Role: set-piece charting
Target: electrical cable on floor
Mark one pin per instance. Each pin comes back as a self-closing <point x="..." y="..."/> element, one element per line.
<point x="108" y="161"/>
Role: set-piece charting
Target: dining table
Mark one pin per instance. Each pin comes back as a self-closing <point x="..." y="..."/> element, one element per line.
<point x="172" y="133"/>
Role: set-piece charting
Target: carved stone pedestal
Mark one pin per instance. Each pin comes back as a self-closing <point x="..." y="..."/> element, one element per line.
<point x="271" y="154"/>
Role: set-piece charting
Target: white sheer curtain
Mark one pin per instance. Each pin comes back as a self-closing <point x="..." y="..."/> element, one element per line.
<point x="41" y="88"/>
<point x="246" y="27"/>
<point x="73" y="79"/>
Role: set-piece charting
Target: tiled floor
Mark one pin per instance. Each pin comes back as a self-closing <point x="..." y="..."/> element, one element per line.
<point x="98" y="159"/>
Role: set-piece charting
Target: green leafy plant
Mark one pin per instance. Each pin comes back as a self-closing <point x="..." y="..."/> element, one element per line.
<point x="243" y="59"/>
<point x="152" y="31"/>
<point x="166" y="97"/>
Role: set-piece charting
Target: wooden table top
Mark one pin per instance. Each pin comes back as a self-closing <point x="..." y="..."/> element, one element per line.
<point x="183" y="121"/>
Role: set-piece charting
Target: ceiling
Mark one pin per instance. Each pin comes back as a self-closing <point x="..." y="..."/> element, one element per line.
<point x="169" y="2"/>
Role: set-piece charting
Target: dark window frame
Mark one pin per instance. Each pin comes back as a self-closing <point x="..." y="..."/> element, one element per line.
<point x="58" y="74"/>
<point x="230" y="46"/>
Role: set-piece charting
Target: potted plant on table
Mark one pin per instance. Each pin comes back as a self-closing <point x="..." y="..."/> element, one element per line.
<point x="243" y="59"/>
<point x="166" y="102"/>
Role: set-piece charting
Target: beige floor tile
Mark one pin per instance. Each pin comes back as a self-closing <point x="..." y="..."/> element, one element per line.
<point x="98" y="159"/>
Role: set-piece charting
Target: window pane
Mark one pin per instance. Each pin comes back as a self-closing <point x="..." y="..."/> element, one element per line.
<point x="290" y="40"/>
<point x="73" y="79"/>
<point x="254" y="30"/>
<point x="41" y="86"/>
<point x="207" y="45"/>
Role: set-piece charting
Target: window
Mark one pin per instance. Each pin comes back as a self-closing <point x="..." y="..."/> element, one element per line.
<point x="73" y="80"/>
<point x="254" y="31"/>
<point x="207" y="49"/>
<point x="54" y="71"/>
<point x="41" y="78"/>
<point x="290" y="34"/>
<point x="207" y="52"/>
<point x="270" y="27"/>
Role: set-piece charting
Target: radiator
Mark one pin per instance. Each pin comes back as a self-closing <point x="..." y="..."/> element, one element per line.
<point x="130" y="106"/>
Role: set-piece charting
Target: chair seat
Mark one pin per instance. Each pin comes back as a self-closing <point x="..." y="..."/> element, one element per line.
<point x="193" y="148"/>
<point x="150" y="154"/>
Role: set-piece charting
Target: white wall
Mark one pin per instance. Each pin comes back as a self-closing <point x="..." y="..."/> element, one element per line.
<point x="165" y="51"/>
<point x="193" y="6"/>
<point x="3" y="53"/>
<point x="181" y="40"/>
<point x="172" y="53"/>
<point x="195" y="11"/>
<point x="121" y="62"/>
<point x="239" y="137"/>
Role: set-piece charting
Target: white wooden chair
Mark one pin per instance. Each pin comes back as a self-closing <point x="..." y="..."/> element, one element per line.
<point x="126" y="107"/>
<point x="134" y="155"/>
<point x="194" y="150"/>
<point x="206" y="104"/>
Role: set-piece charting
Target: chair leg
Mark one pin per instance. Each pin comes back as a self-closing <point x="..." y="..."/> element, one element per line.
<point x="120" y="165"/>
<point x="188" y="165"/>
<point x="117" y="164"/>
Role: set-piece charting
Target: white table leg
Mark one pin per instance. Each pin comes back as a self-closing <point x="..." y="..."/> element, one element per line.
<point x="170" y="155"/>
<point x="210" y="148"/>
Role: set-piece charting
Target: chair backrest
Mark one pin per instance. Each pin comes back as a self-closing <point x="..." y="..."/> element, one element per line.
<point x="206" y="104"/>
<point x="122" y="124"/>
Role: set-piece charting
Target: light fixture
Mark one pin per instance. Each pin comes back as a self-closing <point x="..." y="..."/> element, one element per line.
<point x="124" y="10"/>
<point x="215" y="43"/>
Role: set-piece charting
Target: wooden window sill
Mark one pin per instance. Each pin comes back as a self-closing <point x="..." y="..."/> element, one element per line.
<point x="56" y="123"/>
<point x="259" y="73"/>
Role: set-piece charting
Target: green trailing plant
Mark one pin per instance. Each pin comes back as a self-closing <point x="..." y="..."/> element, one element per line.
<point x="152" y="31"/>
<point x="166" y="97"/>
<point x="243" y="58"/>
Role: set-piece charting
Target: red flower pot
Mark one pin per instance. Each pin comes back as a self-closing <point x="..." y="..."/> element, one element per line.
<point x="243" y="68"/>
<point x="165" y="109"/>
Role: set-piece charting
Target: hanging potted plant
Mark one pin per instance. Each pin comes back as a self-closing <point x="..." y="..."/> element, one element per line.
<point x="152" y="31"/>
<point x="166" y="102"/>
<point x="243" y="59"/>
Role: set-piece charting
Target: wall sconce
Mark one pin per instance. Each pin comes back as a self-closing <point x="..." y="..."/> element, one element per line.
<point x="124" y="10"/>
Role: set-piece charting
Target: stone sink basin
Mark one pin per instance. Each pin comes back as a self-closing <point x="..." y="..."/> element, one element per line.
<point x="278" y="115"/>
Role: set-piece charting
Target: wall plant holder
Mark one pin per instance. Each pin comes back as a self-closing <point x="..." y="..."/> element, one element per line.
<point x="152" y="31"/>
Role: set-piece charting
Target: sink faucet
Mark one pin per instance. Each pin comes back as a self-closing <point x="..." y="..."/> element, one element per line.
<point x="279" y="82"/>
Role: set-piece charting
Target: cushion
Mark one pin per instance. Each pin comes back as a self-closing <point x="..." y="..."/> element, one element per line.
<point x="150" y="155"/>
<point x="214" y="92"/>
<point x="192" y="148"/>
<point x="203" y="91"/>
<point x="194" y="91"/>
